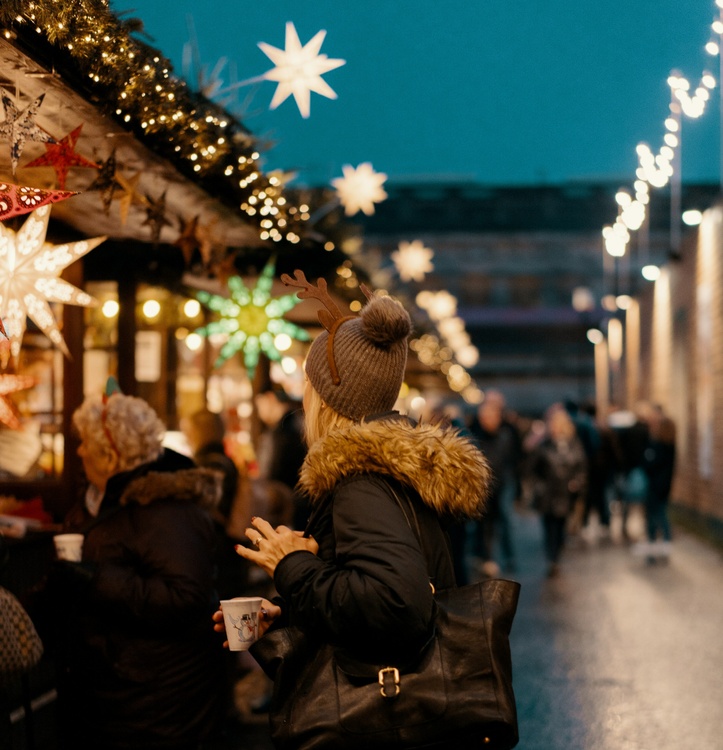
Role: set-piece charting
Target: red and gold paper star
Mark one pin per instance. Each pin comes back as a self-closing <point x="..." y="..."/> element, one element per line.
<point x="19" y="127"/>
<point x="61" y="156"/>
<point x="21" y="199"/>
<point x="9" y="414"/>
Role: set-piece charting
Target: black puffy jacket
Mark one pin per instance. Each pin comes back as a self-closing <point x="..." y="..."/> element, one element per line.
<point x="143" y="665"/>
<point x="368" y="588"/>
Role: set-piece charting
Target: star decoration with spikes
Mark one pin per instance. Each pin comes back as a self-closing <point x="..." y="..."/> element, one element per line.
<point x="129" y="194"/>
<point x="16" y="200"/>
<point x="19" y="127"/>
<point x="61" y="156"/>
<point x="188" y="240"/>
<point x="9" y="414"/>
<point x="299" y="69"/>
<point x="252" y="318"/>
<point x="359" y="189"/>
<point x="29" y="278"/>
<point x="105" y="183"/>
<point x="413" y="260"/>
<point x="156" y="216"/>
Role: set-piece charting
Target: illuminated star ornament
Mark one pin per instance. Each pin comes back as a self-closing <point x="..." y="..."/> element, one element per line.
<point x="413" y="260"/>
<point x="359" y="189"/>
<point x="9" y="414"/>
<point x="29" y="278"/>
<point x="299" y="69"/>
<point x="19" y="127"/>
<point x="61" y="156"/>
<point x="21" y="199"/>
<point x="129" y="194"/>
<point x="251" y="319"/>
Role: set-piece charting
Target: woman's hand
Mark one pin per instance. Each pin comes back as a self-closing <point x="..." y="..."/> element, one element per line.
<point x="273" y="544"/>
<point x="269" y="612"/>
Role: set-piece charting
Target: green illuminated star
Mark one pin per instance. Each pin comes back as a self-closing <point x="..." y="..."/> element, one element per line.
<point x="251" y="319"/>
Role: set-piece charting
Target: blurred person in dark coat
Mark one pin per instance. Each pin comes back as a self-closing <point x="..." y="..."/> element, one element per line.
<point x="138" y="669"/>
<point x="558" y="472"/>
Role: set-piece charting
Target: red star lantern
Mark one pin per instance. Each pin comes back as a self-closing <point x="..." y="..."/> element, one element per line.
<point x="21" y="199"/>
<point x="61" y="156"/>
<point x="9" y="414"/>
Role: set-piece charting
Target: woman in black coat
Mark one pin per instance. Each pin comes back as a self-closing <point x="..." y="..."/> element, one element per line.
<point x="138" y="666"/>
<point x="358" y="577"/>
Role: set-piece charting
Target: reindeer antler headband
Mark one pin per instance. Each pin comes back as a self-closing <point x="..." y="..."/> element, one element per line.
<point x="331" y="318"/>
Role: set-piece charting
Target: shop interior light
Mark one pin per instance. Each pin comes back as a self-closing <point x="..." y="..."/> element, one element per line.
<point x="191" y="308"/>
<point x="110" y="308"/>
<point x="194" y="341"/>
<point x="151" y="308"/>
<point x="624" y="301"/>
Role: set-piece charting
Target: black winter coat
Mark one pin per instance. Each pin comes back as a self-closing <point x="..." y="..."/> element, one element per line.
<point x="143" y="665"/>
<point x="368" y="590"/>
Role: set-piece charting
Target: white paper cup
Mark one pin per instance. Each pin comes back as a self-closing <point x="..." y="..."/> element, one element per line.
<point x="69" y="547"/>
<point x="241" y="618"/>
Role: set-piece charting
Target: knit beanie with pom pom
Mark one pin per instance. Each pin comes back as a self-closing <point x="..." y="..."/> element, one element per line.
<point x="357" y="364"/>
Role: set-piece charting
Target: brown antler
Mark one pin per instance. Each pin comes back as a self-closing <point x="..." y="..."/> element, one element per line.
<point x="327" y="317"/>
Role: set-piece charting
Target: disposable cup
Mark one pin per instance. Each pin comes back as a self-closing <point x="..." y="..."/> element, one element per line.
<point x="241" y="618"/>
<point x="69" y="546"/>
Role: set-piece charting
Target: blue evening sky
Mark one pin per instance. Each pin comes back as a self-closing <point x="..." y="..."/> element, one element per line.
<point x="495" y="91"/>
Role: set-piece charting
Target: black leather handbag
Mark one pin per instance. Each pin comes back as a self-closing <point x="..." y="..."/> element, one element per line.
<point x="456" y="694"/>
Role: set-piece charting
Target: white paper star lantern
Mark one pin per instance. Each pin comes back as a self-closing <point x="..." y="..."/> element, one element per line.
<point x="359" y="189"/>
<point x="413" y="260"/>
<point x="298" y="70"/>
<point x="29" y="271"/>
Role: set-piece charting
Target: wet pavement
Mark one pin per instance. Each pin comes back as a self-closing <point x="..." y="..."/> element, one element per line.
<point x="611" y="654"/>
<point x="616" y="654"/>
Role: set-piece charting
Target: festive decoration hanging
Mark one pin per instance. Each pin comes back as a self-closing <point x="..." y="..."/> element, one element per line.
<point x="105" y="183"/>
<point x="359" y="189"/>
<point x="19" y="126"/>
<point x="61" y="156"/>
<point x="9" y="414"/>
<point x="251" y="319"/>
<point x="299" y="69"/>
<point x="29" y="278"/>
<point x="21" y="199"/>
<point x="188" y="240"/>
<point x="413" y="260"/>
<point x="156" y="216"/>
<point x="129" y="194"/>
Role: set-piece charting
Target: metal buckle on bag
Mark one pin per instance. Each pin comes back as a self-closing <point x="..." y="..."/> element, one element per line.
<point x="387" y="674"/>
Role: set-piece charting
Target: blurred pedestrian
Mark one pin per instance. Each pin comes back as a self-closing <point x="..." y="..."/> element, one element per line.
<point x="559" y="475"/>
<point x="138" y="667"/>
<point x="499" y="442"/>
<point x="659" y="464"/>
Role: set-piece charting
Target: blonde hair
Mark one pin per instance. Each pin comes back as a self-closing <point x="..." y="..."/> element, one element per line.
<point x="320" y="419"/>
<point x="124" y="426"/>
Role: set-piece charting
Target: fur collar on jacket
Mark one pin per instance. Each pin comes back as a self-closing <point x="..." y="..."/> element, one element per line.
<point x="447" y="471"/>
<point x="201" y="486"/>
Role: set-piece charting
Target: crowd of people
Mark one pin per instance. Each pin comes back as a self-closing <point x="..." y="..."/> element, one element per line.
<point x="140" y="663"/>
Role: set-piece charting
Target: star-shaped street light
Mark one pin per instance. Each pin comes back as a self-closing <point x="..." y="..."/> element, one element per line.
<point x="61" y="156"/>
<point x="252" y="318"/>
<point x="359" y="189"/>
<point x="413" y="260"/>
<point x="299" y="69"/>
<point x="29" y="278"/>
<point x="19" y="127"/>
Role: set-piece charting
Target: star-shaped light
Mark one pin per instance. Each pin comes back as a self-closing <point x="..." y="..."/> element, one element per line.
<point x="252" y="318"/>
<point x="19" y="127"/>
<point x="359" y="189"/>
<point x="61" y="156"/>
<point x="413" y="260"/>
<point x="29" y="278"/>
<point x="9" y="414"/>
<point x="299" y="69"/>
<point x="21" y="199"/>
